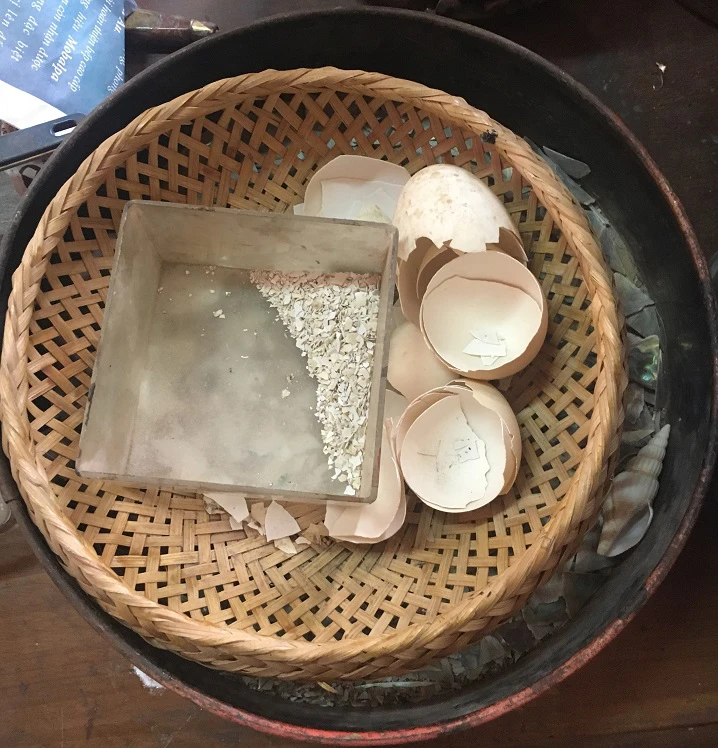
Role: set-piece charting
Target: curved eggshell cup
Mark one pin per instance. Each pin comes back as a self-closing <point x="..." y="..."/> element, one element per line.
<point x="486" y="292"/>
<point x="412" y="412"/>
<point x="372" y="523"/>
<point x="454" y="454"/>
<point x="491" y="398"/>
<point x="355" y="178"/>
<point x="433" y="261"/>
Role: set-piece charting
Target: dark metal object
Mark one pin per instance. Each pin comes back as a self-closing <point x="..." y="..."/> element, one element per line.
<point x="535" y="99"/>
<point x="154" y="32"/>
<point x="22" y="146"/>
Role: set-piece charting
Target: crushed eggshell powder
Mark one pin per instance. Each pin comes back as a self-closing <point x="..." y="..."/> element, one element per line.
<point x="333" y="319"/>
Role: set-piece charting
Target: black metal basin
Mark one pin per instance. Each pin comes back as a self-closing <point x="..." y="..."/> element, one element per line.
<point x="537" y="100"/>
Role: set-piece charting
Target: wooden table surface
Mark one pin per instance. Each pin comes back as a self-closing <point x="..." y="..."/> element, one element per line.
<point x="62" y="685"/>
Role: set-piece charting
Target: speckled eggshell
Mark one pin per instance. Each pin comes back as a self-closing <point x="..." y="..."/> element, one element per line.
<point x="451" y="207"/>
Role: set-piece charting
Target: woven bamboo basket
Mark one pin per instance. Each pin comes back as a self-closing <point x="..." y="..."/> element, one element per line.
<point x="184" y="580"/>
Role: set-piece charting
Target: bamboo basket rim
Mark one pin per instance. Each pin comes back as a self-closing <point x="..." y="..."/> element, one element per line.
<point x="605" y="422"/>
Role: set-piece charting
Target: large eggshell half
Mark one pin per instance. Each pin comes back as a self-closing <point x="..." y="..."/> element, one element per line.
<point x="371" y="523"/>
<point x="411" y="413"/>
<point x="490" y="397"/>
<point x="407" y="275"/>
<point x="355" y="187"/>
<point x="433" y="261"/>
<point x="491" y="293"/>
<point x="510" y="244"/>
<point x="394" y="405"/>
<point x="413" y="367"/>
<point x="451" y="207"/>
<point x="454" y="454"/>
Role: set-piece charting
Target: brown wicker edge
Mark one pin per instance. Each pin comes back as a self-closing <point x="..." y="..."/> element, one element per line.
<point x="282" y="657"/>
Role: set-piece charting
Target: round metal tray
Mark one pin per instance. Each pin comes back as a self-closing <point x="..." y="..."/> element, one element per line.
<point x="539" y="101"/>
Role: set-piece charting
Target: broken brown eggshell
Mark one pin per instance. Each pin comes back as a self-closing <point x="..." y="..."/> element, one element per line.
<point x="411" y="413"/>
<point x="454" y="455"/>
<point x="414" y="275"/>
<point x="487" y="297"/>
<point x="510" y="244"/>
<point x="413" y="368"/>
<point x="378" y="521"/>
<point x="394" y="407"/>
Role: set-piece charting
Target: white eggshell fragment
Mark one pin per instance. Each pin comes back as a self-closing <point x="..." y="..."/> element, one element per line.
<point x="285" y="545"/>
<point x="355" y="187"/>
<point x="235" y="504"/>
<point x="454" y="454"/>
<point x="451" y="207"/>
<point x="279" y="523"/>
<point x="486" y="296"/>
<point x="413" y="368"/>
<point x="372" y="523"/>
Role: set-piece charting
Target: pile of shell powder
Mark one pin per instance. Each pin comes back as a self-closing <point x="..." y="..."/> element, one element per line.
<point x="333" y="319"/>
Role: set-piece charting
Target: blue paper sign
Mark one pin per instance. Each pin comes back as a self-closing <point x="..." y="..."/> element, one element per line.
<point x="66" y="54"/>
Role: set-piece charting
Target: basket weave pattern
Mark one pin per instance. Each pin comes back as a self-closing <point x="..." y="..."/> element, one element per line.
<point x="183" y="579"/>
